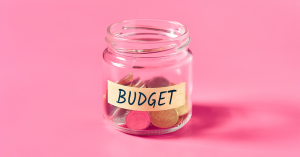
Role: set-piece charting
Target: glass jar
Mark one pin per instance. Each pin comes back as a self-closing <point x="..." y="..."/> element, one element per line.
<point x="147" y="76"/>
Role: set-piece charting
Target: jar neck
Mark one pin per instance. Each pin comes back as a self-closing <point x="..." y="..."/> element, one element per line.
<point x="147" y="38"/>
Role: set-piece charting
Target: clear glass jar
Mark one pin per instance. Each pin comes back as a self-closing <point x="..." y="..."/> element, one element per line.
<point x="147" y="76"/>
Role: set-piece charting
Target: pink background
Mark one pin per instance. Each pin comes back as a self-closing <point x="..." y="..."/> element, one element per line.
<point x="246" y="78"/>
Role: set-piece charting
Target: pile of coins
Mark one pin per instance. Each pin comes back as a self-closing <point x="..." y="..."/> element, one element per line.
<point x="140" y="120"/>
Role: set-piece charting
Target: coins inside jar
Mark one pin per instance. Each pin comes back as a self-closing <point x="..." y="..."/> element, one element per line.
<point x="164" y="118"/>
<point x="120" y="116"/>
<point x="158" y="82"/>
<point x="126" y="79"/>
<point x="181" y="120"/>
<point x="138" y="120"/>
<point x="138" y="83"/>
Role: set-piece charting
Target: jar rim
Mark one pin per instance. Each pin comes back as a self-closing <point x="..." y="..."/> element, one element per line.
<point x="179" y="37"/>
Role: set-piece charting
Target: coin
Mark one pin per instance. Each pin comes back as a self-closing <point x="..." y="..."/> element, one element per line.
<point x="147" y="83"/>
<point x="180" y="120"/>
<point x="128" y="84"/>
<point x="138" y="120"/>
<point x="164" y="118"/>
<point x="143" y="85"/>
<point x="184" y="109"/>
<point x="138" y="83"/>
<point x="120" y="116"/>
<point x="125" y="80"/>
<point x="158" y="82"/>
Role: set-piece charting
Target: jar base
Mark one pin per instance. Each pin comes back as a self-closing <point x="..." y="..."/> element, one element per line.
<point x="152" y="132"/>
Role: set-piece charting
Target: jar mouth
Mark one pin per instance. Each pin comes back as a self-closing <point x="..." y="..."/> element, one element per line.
<point x="149" y="30"/>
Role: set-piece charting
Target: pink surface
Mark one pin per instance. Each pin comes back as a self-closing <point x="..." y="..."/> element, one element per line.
<point x="246" y="78"/>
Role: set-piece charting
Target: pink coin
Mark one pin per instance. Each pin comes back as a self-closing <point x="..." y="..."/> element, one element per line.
<point x="158" y="82"/>
<point x="138" y="120"/>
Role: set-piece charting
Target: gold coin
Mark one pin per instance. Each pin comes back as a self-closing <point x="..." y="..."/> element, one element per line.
<point x="164" y="118"/>
<point x="184" y="109"/>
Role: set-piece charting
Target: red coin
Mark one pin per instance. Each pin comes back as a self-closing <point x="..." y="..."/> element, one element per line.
<point x="138" y="120"/>
<point x="158" y="82"/>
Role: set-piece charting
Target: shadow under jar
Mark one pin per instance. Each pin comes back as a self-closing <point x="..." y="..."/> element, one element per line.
<point x="147" y="76"/>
